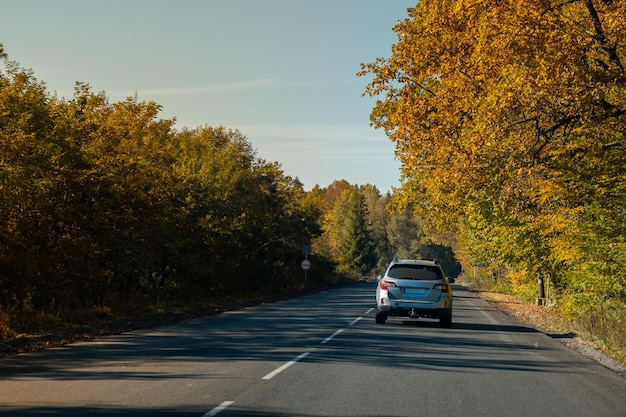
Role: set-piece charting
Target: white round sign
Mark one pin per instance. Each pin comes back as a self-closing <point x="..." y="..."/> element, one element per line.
<point x="305" y="264"/>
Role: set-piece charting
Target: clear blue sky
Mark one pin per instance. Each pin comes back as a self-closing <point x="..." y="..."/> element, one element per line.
<point x="282" y="72"/>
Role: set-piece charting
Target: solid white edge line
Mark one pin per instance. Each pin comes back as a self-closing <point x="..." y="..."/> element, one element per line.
<point x="285" y="366"/>
<point x="369" y="311"/>
<point x="329" y="338"/>
<point x="223" y="406"/>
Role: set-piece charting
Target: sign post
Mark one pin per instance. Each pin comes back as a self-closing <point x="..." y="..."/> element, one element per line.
<point x="305" y="264"/>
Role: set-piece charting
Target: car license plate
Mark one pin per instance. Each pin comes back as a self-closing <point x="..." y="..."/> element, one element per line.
<point x="415" y="291"/>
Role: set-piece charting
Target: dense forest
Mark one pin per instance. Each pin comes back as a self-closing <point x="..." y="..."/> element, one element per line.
<point x="108" y="210"/>
<point x="509" y="119"/>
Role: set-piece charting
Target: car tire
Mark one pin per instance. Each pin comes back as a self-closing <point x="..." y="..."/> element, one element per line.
<point x="381" y="317"/>
<point x="446" y="319"/>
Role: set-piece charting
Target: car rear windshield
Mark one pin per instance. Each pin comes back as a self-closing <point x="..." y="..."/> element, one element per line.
<point x="415" y="272"/>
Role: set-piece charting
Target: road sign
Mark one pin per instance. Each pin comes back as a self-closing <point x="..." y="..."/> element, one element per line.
<point x="305" y="264"/>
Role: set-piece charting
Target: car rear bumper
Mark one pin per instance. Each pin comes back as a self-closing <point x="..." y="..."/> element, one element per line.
<point x="417" y="312"/>
<point x="416" y="308"/>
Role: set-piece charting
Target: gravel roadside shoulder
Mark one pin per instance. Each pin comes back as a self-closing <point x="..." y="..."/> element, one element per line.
<point x="545" y="321"/>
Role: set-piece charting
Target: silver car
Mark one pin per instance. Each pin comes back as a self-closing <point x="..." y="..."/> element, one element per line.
<point x="414" y="288"/>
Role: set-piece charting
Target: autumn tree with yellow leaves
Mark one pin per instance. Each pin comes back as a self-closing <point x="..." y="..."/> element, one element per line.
<point x="106" y="210"/>
<point x="509" y="119"/>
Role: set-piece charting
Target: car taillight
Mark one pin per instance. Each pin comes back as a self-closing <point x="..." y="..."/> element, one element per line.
<point x="384" y="285"/>
<point x="442" y="287"/>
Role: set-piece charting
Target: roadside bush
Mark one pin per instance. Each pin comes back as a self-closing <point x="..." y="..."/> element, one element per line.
<point x="602" y="321"/>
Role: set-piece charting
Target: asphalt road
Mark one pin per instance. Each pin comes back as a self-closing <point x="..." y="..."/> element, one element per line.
<point x="318" y="355"/>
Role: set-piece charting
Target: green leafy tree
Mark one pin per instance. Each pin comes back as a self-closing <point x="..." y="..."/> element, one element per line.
<point x="26" y="182"/>
<point x="352" y="243"/>
<point x="378" y="219"/>
<point x="106" y="206"/>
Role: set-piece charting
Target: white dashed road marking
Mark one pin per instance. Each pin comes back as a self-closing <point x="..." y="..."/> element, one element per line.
<point x="329" y="338"/>
<point x="223" y="406"/>
<point x="285" y="366"/>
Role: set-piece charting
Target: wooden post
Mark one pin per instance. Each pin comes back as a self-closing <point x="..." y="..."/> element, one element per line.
<point x="541" y="294"/>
